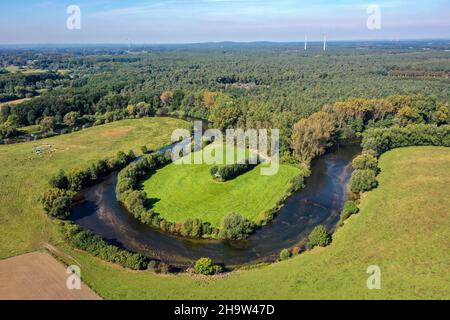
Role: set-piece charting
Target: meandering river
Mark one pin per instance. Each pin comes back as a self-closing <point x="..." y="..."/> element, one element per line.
<point x="319" y="202"/>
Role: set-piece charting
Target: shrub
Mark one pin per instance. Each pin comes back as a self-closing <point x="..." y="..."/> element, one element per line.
<point x="349" y="209"/>
<point x="163" y="268"/>
<point x="97" y="170"/>
<point x="285" y="254"/>
<point x="318" y="237"/>
<point x="61" y="207"/>
<point x="120" y="161"/>
<point x="192" y="228"/>
<point x="136" y="200"/>
<point x="59" y="180"/>
<point x="296" y="251"/>
<point x="363" y="180"/>
<point x="365" y="161"/>
<point x="152" y="265"/>
<point x="78" y="179"/>
<point x="95" y="245"/>
<point x="213" y="171"/>
<point x="236" y="227"/>
<point x="297" y="183"/>
<point x="382" y="140"/>
<point x="144" y="149"/>
<point x="206" y="267"/>
<point x="229" y="172"/>
<point x="135" y="261"/>
<point x="71" y="118"/>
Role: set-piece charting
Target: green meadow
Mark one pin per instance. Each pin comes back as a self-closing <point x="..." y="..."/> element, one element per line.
<point x="402" y="226"/>
<point x="180" y="191"/>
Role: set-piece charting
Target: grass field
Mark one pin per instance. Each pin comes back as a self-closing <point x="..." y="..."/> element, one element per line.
<point x="188" y="191"/>
<point x="14" y="102"/>
<point x="403" y="227"/>
<point x="16" y="69"/>
<point x="24" y="175"/>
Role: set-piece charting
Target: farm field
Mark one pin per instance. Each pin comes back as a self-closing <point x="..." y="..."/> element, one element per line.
<point x="399" y="229"/>
<point x="38" y="276"/>
<point x="188" y="191"/>
<point x="24" y="174"/>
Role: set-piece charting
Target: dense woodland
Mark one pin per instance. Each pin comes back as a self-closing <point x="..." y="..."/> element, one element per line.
<point x="253" y="85"/>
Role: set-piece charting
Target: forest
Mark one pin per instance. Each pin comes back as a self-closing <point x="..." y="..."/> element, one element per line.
<point x="254" y="85"/>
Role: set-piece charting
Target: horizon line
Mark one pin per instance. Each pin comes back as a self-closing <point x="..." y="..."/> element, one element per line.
<point x="218" y="42"/>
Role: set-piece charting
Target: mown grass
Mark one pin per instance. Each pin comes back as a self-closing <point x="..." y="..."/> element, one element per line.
<point x="24" y="174"/>
<point x="403" y="227"/>
<point x="181" y="191"/>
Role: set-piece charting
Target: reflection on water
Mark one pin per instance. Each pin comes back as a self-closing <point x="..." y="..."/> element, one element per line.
<point x="319" y="203"/>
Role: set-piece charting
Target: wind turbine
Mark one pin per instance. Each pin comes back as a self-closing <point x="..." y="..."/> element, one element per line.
<point x="306" y="42"/>
<point x="325" y="42"/>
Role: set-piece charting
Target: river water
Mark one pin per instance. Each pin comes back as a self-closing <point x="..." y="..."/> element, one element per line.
<point x="319" y="202"/>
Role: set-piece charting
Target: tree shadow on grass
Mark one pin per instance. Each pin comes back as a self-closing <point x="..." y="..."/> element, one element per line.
<point x="150" y="202"/>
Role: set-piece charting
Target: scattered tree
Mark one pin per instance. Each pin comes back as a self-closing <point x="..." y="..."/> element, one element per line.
<point x="363" y="180"/>
<point x="319" y="237"/>
<point x="285" y="254"/>
<point x="236" y="227"/>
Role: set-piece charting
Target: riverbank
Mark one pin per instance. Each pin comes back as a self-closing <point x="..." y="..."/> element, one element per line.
<point x="393" y="230"/>
<point x="24" y="174"/>
<point x="179" y="192"/>
<point x="319" y="202"/>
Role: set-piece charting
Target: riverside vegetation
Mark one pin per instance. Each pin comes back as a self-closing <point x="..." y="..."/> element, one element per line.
<point x="389" y="113"/>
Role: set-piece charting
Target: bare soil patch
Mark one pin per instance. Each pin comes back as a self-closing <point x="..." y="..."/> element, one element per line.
<point x="38" y="276"/>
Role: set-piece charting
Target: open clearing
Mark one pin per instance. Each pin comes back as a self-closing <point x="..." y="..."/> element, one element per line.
<point x="14" y="102"/>
<point x="38" y="276"/>
<point x="181" y="191"/>
<point x="24" y="174"/>
<point x="402" y="227"/>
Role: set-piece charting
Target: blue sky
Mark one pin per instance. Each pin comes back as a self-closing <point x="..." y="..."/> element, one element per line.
<point x="184" y="21"/>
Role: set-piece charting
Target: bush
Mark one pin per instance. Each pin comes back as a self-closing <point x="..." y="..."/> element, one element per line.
<point x="236" y="227"/>
<point x="296" y="251"/>
<point x="57" y="203"/>
<point x="59" y="180"/>
<point x="120" y="161"/>
<point x="61" y="207"/>
<point x="382" y="140"/>
<point x="229" y="172"/>
<point x="297" y="183"/>
<point x="285" y="254"/>
<point x="78" y="179"/>
<point x="206" y="267"/>
<point x="95" y="245"/>
<point x="363" y="180"/>
<point x="350" y="208"/>
<point x="318" y="237"/>
<point x="192" y="228"/>
<point x="365" y="161"/>
<point x="213" y="171"/>
<point x="135" y="200"/>
<point x="152" y="265"/>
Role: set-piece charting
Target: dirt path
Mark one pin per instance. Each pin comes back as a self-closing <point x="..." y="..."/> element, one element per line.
<point x="38" y="276"/>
